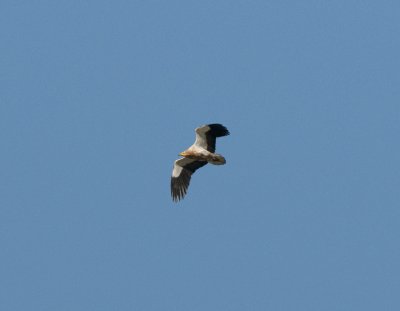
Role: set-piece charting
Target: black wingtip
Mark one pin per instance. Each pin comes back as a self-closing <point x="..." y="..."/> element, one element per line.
<point x="218" y="130"/>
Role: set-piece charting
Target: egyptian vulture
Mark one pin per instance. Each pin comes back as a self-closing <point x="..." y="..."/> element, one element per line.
<point x="196" y="156"/>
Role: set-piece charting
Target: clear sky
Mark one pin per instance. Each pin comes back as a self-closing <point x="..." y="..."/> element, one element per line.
<point x="97" y="98"/>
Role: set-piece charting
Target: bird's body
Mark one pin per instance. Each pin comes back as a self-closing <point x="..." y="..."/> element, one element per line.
<point x="198" y="153"/>
<point x="196" y="156"/>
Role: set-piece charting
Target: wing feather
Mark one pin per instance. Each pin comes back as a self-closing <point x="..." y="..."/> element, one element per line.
<point x="181" y="175"/>
<point x="206" y="135"/>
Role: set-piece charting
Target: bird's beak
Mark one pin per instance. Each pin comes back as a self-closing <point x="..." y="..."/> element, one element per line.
<point x="182" y="154"/>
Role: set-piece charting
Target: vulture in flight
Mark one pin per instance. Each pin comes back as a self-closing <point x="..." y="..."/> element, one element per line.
<point x="196" y="156"/>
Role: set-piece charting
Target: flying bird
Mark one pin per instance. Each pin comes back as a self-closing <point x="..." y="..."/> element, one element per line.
<point x="196" y="156"/>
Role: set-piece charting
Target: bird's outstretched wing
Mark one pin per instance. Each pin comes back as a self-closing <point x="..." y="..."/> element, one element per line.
<point x="207" y="134"/>
<point x="181" y="174"/>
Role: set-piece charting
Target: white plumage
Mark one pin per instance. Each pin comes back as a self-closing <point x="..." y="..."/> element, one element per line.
<point x="196" y="156"/>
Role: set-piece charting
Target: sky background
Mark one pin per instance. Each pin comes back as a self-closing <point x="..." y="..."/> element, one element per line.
<point x="97" y="98"/>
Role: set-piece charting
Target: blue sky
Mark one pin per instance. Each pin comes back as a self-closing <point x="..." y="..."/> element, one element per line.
<point x="98" y="98"/>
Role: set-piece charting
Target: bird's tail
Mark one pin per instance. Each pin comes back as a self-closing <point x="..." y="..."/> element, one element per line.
<point x="217" y="159"/>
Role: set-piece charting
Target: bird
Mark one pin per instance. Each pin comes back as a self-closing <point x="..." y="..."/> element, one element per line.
<point x="195" y="157"/>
